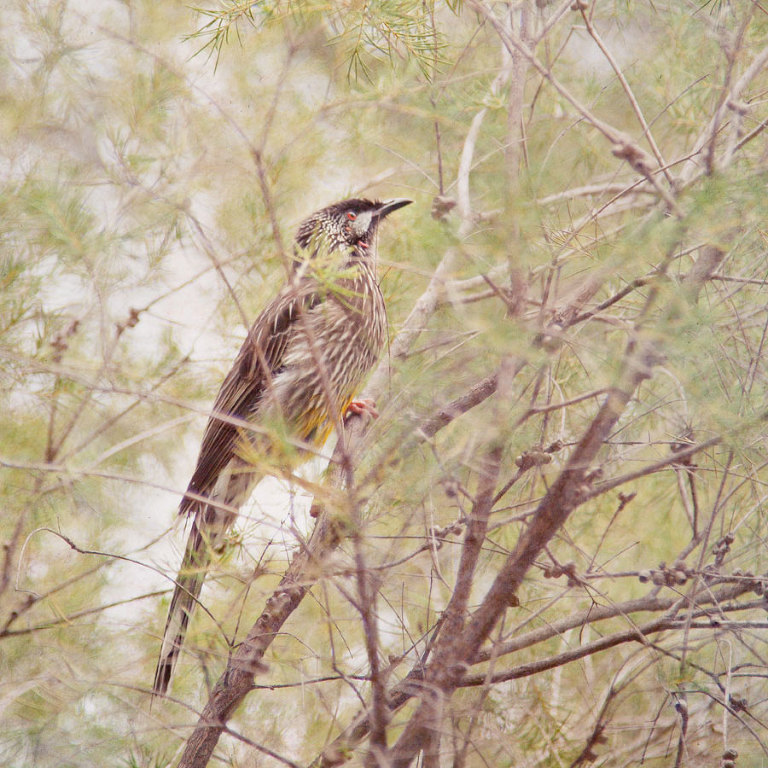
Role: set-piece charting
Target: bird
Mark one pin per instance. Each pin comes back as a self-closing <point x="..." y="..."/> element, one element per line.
<point x="300" y="366"/>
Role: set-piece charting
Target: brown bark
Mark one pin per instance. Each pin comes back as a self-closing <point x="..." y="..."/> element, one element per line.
<point x="453" y="656"/>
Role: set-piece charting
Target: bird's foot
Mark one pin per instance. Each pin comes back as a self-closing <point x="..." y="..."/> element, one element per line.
<point x="364" y="407"/>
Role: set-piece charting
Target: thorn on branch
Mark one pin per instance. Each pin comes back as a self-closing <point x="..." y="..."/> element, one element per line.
<point x="665" y="576"/>
<point x="556" y="570"/>
<point x="435" y="537"/>
<point x="640" y="161"/>
<point x="681" y="576"/>
<point x="721" y="548"/>
<point x="586" y="486"/>
<point x="131" y="322"/>
<point x="537" y="456"/>
<point x="554" y="447"/>
<point x="625" y="498"/>
<point x="442" y="206"/>
<point x="738" y="704"/>
<point x="532" y="458"/>
<point x="60" y="343"/>
<point x="592" y="477"/>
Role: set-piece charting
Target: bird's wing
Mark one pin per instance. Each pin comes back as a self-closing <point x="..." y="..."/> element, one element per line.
<point x="259" y="359"/>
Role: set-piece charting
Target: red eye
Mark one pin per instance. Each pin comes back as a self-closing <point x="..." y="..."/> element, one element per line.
<point x="351" y="215"/>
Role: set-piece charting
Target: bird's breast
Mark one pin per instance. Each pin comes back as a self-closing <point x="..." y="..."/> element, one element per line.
<point x="334" y="346"/>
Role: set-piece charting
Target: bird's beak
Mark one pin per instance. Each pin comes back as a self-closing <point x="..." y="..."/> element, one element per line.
<point x="391" y="205"/>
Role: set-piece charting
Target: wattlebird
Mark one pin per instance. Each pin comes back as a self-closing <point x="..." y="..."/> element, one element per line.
<point x="300" y="366"/>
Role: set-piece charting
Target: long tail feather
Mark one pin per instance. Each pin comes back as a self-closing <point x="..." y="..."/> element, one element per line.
<point x="189" y="584"/>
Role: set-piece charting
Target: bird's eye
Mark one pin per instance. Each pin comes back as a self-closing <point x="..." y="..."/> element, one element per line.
<point x="351" y="215"/>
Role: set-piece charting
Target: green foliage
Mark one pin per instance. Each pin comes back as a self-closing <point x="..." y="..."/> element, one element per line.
<point x="367" y="34"/>
<point x="147" y="206"/>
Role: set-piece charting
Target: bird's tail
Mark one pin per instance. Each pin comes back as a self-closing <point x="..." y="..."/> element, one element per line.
<point x="189" y="583"/>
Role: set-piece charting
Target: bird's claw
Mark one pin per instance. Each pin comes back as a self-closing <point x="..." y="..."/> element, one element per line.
<point x="364" y="407"/>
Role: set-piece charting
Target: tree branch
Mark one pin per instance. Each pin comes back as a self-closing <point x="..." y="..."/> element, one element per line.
<point x="446" y="671"/>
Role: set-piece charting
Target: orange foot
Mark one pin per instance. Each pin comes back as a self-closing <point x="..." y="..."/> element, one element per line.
<point x="365" y="407"/>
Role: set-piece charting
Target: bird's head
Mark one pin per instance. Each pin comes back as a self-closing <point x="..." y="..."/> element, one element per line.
<point x="348" y="224"/>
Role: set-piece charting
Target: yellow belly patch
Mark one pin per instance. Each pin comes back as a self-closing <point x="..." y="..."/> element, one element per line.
<point x="317" y="425"/>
